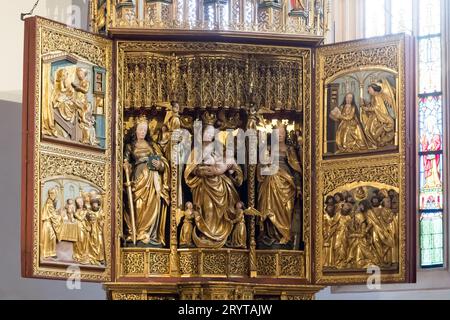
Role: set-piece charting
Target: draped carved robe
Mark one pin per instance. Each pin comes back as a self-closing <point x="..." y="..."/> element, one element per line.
<point x="276" y="199"/>
<point x="51" y="228"/>
<point x="379" y="125"/>
<point x="150" y="193"/>
<point x="217" y="197"/>
<point x="96" y="245"/>
<point x="349" y="135"/>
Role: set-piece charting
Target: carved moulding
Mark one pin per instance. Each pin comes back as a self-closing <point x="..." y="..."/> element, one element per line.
<point x="73" y="101"/>
<point x="227" y="79"/>
<point x="52" y="165"/>
<point x="55" y="38"/>
<point x="222" y="263"/>
<point x="136" y="262"/>
<point x="386" y="54"/>
<point x="345" y="177"/>
<point x="75" y="168"/>
<point x="269" y="18"/>
<point x="383" y="173"/>
<point x="213" y="290"/>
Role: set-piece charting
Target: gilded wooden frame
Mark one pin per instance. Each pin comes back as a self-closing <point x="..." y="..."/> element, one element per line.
<point x="388" y="168"/>
<point x="58" y="158"/>
<point x="133" y="48"/>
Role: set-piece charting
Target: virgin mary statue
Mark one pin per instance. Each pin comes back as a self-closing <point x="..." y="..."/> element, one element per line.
<point x="213" y="184"/>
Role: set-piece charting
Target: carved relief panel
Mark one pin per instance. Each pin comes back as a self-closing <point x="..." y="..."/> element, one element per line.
<point x="67" y="155"/>
<point x="73" y="100"/>
<point x="364" y="140"/>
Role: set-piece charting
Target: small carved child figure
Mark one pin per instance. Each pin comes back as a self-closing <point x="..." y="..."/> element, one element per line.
<point x="187" y="228"/>
<point x="87" y="122"/>
<point x="238" y="237"/>
<point x="175" y="122"/>
<point x="164" y="140"/>
<point x="68" y="212"/>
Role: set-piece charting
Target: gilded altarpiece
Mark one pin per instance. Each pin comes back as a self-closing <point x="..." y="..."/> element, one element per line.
<point x="106" y="197"/>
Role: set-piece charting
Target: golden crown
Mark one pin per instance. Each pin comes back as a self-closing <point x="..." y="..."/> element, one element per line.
<point x="142" y="119"/>
<point x="209" y="118"/>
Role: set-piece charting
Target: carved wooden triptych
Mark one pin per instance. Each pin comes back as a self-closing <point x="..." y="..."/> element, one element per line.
<point x="106" y="195"/>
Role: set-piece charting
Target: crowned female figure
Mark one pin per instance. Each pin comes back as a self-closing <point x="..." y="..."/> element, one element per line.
<point x="213" y="183"/>
<point x="150" y="173"/>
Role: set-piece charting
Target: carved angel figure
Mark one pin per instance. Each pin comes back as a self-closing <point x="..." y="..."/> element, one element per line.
<point x="256" y="118"/>
<point x="378" y="116"/>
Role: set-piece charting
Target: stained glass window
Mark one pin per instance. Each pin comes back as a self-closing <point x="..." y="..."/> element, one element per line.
<point x="431" y="239"/>
<point x="393" y="16"/>
<point x="430" y="160"/>
<point x="401" y="16"/>
<point x="430" y="184"/>
<point x="430" y="123"/>
<point x="431" y="150"/>
<point x="430" y="64"/>
<point x="429" y="17"/>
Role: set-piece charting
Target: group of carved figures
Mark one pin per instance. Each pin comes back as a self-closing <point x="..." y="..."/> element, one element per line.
<point x="70" y="100"/>
<point x="375" y="126"/>
<point x="216" y="216"/>
<point x="361" y="229"/>
<point x="81" y="221"/>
